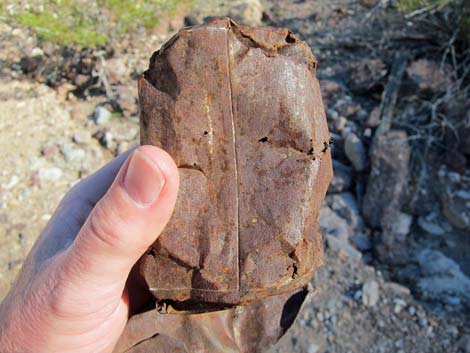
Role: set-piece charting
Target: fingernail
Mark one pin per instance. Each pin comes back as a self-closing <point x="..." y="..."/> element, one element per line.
<point x="143" y="180"/>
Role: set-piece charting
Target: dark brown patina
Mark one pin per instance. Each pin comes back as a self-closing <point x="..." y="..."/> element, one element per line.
<point x="239" y="109"/>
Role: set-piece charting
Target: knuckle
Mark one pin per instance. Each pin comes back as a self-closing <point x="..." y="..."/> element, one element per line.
<point x="51" y="292"/>
<point x="104" y="224"/>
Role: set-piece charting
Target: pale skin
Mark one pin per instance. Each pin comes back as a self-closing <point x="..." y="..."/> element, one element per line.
<point x="76" y="289"/>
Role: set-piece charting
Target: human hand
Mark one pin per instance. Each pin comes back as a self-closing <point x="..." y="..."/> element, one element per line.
<point x="71" y="294"/>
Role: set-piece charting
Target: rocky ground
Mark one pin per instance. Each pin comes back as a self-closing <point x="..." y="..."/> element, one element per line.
<point x="396" y="220"/>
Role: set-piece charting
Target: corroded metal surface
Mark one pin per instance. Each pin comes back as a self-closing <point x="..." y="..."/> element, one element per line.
<point x="239" y="109"/>
<point x="249" y="329"/>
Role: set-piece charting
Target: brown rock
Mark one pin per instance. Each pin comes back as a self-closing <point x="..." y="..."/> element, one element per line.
<point x="428" y="77"/>
<point x="389" y="174"/>
<point x="385" y="193"/>
<point x="366" y="75"/>
<point x="329" y="88"/>
<point x="348" y="109"/>
<point x="247" y="12"/>
<point x="240" y="111"/>
<point x="116" y="70"/>
<point x="127" y="100"/>
<point x="374" y="118"/>
<point x="368" y="3"/>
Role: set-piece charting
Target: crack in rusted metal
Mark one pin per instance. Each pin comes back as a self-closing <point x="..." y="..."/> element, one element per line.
<point x="192" y="167"/>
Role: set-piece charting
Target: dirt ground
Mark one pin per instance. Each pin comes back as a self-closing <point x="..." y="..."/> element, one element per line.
<point x="50" y="138"/>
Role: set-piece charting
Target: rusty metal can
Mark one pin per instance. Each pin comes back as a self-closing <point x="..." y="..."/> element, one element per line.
<point x="240" y="111"/>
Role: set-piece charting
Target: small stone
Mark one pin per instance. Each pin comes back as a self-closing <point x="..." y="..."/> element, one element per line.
<point x="71" y="153"/>
<point x="126" y="98"/>
<point x="423" y="322"/>
<point x="454" y="177"/>
<point x="79" y="111"/>
<point x="82" y="137"/>
<point x="49" y="149"/>
<point x="342" y="179"/>
<point x="366" y="75"/>
<point x="108" y="139"/>
<point x="358" y="295"/>
<point x="331" y="304"/>
<point x="430" y="224"/>
<point x="349" y="253"/>
<point x="464" y="343"/>
<point x="129" y="135"/>
<point x="332" y="114"/>
<point x="370" y="293"/>
<point x="463" y="194"/>
<point x="102" y="115"/>
<point x="402" y="224"/>
<point x="428" y="77"/>
<point x="116" y="70"/>
<point x="25" y="193"/>
<point x="368" y="3"/>
<point x="345" y="205"/>
<point x="345" y="251"/>
<point x="453" y="331"/>
<point x="36" y="51"/>
<point x="361" y="242"/>
<point x="12" y="182"/>
<point x="340" y="123"/>
<point x="48" y="175"/>
<point x="452" y="300"/>
<point x="362" y="115"/>
<point x="329" y="88"/>
<point x="374" y="118"/>
<point x="334" y="225"/>
<point x="356" y="152"/>
<point x="435" y="263"/>
<point x="80" y="80"/>
<point x="412" y="310"/>
<point x="122" y="147"/>
<point x="399" y="305"/>
<point x="313" y="348"/>
<point x="348" y="108"/>
<point x="247" y="12"/>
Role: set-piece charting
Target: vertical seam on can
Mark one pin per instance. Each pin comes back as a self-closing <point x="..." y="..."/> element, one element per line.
<point x="235" y="151"/>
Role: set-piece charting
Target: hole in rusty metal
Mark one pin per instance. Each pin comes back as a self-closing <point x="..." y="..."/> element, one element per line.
<point x="290" y="38"/>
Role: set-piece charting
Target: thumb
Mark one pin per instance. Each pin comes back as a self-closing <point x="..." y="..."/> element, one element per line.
<point x="127" y="220"/>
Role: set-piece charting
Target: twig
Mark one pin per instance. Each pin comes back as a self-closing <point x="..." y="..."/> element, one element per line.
<point x="389" y="97"/>
<point x="381" y="4"/>
<point x="104" y="80"/>
<point x="425" y="10"/>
